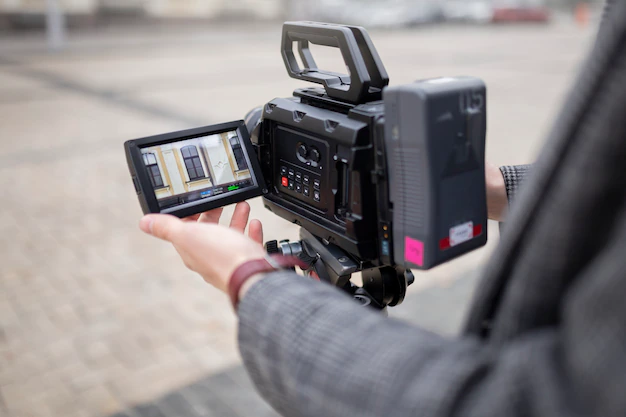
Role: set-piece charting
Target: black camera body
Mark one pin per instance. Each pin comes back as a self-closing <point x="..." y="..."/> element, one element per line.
<point x="391" y="175"/>
<point x="382" y="179"/>
<point x="328" y="160"/>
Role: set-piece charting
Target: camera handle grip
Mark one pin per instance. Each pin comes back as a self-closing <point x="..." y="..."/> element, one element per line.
<point x="367" y="75"/>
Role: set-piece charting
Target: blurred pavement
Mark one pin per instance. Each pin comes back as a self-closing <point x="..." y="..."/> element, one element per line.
<point x="97" y="318"/>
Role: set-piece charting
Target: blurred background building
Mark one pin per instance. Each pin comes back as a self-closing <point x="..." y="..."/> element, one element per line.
<point x="16" y="14"/>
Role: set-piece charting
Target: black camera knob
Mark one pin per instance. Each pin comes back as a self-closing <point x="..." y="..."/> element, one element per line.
<point x="303" y="151"/>
<point x="315" y="155"/>
<point x="271" y="247"/>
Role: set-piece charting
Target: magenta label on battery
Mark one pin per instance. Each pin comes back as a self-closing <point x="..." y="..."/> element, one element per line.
<point x="414" y="251"/>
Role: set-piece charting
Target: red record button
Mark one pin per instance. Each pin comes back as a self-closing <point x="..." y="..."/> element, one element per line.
<point x="285" y="181"/>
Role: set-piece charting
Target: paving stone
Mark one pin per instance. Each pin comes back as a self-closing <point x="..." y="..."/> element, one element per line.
<point x="99" y="400"/>
<point x="149" y="410"/>
<point x="205" y="401"/>
<point x="225" y="394"/>
<point x="176" y="404"/>
<point x="123" y="414"/>
<point x="154" y="381"/>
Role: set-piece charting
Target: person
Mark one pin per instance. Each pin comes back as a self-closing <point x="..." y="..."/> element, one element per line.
<point x="546" y="335"/>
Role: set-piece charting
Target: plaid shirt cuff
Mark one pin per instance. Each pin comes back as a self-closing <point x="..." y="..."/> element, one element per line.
<point x="514" y="177"/>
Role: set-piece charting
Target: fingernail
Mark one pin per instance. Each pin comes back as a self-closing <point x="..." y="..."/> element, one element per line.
<point x="146" y="224"/>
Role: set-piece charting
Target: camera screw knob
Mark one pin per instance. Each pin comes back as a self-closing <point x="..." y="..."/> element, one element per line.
<point x="271" y="247"/>
<point x="303" y="151"/>
<point x="316" y="156"/>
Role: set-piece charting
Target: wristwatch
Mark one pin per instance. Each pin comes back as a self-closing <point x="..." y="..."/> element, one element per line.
<point x="249" y="269"/>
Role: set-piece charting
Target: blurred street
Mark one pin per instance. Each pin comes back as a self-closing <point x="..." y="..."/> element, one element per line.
<point x="95" y="317"/>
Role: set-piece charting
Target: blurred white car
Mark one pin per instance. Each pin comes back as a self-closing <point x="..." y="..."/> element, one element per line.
<point x="480" y="11"/>
<point x="369" y="13"/>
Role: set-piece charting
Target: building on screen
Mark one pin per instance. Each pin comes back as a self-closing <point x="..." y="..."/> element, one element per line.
<point x="190" y="165"/>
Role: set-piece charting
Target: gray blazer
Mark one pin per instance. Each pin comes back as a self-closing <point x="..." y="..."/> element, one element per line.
<point x="547" y="332"/>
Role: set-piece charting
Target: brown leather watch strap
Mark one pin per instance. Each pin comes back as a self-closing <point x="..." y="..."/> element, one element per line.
<point x="248" y="269"/>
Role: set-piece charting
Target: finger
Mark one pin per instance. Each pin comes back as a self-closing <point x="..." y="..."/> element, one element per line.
<point x="193" y="218"/>
<point x="163" y="226"/>
<point x="255" y="231"/>
<point x="240" y="216"/>
<point x="212" y="216"/>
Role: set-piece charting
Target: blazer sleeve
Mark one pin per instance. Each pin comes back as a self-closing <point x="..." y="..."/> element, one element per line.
<point x="312" y="351"/>
<point x="514" y="177"/>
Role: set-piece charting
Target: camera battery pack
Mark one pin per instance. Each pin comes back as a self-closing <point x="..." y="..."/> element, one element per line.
<point x="435" y="144"/>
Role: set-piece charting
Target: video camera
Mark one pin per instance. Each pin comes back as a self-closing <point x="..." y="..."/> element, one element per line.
<point x="381" y="179"/>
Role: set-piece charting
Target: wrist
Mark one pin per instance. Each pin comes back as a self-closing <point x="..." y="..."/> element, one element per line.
<point x="254" y="268"/>
<point x="240" y="259"/>
<point x="244" y="273"/>
<point x="497" y="202"/>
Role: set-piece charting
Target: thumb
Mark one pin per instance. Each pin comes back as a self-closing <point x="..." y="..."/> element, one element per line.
<point x="163" y="226"/>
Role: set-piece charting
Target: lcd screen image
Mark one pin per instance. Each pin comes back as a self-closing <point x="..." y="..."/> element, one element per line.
<point x="196" y="169"/>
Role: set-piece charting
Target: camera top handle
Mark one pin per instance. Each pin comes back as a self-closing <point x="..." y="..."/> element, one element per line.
<point x="367" y="76"/>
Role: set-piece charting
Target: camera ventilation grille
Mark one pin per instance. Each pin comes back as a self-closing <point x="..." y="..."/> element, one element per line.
<point x="410" y="185"/>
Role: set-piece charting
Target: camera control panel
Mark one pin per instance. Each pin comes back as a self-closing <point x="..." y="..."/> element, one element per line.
<point x="291" y="179"/>
<point x="300" y="168"/>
